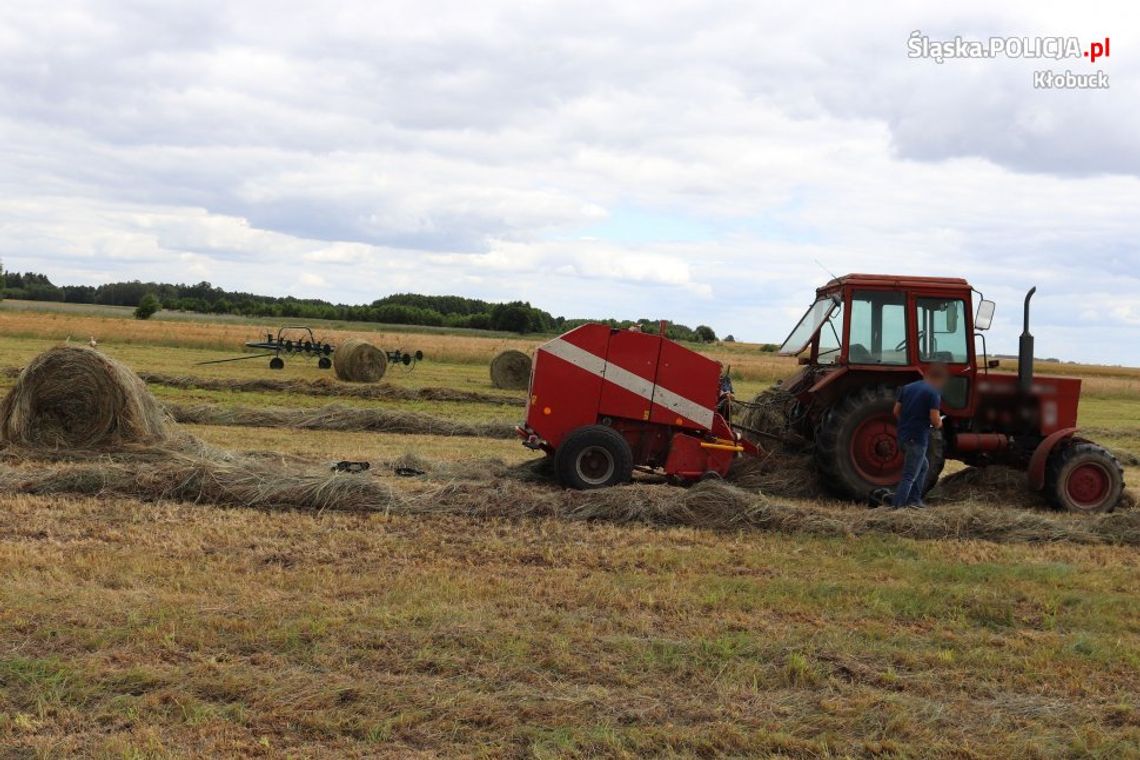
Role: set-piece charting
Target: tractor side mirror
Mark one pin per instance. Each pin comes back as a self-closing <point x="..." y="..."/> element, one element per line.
<point x="985" y="316"/>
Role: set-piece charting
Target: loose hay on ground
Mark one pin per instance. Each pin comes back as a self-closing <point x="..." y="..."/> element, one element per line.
<point x="784" y="472"/>
<point x="510" y="370"/>
<point x="336" y="417"/>
<point x="247" y="482"/>
<point x="327" y="387"/>
<point x="767" y="417"/>
<point x="990" y="485"/>
<point x="789" y="469"/>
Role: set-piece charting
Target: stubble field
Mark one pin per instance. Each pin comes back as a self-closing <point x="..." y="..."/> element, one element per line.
<point x="133" y="628"/>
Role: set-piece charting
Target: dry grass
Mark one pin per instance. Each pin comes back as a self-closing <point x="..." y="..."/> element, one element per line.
<point x="336" y="417"/>
<point x="154" y="630"/>
<point x="325" y="387"/>
<point x="268" y="484"/>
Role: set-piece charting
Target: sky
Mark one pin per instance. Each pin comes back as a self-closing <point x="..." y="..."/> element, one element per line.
<point x="706" y="162"/>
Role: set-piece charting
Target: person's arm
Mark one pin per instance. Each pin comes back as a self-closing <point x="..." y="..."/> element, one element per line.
<point x="898" y="409"/>
<point x="936" y="411"/>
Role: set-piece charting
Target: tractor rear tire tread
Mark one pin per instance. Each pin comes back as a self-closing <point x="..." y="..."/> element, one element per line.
<point x="832" y="444"/>
<point x="1064" y="457"/>
<point x="577" y="441"/>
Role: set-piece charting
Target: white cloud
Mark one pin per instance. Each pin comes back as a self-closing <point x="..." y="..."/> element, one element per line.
<point x="690" y="160"/>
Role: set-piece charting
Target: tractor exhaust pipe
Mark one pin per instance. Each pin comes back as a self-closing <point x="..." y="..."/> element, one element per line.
<point x="1025" y="350"/>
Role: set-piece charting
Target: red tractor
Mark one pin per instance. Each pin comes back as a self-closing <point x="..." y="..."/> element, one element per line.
<point x="865" y="335"/>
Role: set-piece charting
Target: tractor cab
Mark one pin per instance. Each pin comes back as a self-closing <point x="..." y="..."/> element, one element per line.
<point x="893" y="325"/>
<point x="867" y="320"/>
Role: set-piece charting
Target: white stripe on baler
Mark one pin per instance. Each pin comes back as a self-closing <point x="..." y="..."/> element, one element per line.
<point x="682" y="406"/>
<point x="579" y="357"/>
<point x="630" y="381"/>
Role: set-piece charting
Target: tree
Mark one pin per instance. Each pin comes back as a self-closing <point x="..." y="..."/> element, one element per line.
<point x="147" y="307"/>
<point x="705" y="334"/>
<point x="729" y="339"/>
<point x="511" y="317"/>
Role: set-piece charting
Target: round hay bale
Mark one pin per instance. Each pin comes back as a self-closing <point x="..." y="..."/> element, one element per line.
<point x="358" y="361"/>
<point x="510" y="371"/>
<point x="77" y="398"/>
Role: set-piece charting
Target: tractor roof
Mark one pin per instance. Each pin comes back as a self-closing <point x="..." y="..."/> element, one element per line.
<point x="895" y="281"/>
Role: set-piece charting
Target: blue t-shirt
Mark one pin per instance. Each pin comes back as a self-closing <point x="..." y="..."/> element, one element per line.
<point x="917" y="399"/>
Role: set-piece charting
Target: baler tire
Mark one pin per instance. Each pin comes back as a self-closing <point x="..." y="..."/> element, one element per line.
<point x="834" y="444"/>
<point x="605" y="446"/>
<point x="1083" y="477"/>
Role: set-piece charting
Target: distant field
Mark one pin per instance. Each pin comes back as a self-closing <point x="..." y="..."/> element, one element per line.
<point x="131" y="629"/>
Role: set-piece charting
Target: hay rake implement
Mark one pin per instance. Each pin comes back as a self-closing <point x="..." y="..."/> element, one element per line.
<point x="299" y="341"/>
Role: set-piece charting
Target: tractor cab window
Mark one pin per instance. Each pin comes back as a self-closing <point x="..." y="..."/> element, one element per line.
<point x="942" y="330"/>
<point x="809" y="323"/>
<point x="831" y="338"/>
<point x="878" y="328"/>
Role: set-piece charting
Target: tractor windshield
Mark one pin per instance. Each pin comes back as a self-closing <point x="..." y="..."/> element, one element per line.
<point x="806" y="328"/>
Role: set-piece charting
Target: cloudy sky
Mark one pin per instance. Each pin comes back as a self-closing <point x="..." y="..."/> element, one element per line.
<point x="683" y="160"/>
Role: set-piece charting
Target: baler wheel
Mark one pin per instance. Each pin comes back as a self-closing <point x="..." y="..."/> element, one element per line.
<point x="1084" y="477"/>
<point x="856" y="448"/>
<point x="593" y="457"/>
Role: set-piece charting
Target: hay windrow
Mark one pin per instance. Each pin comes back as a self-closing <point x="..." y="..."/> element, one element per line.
<point x="76" y="398"/>
<point x="786" y="473"/>
<point x="331" y="388"/>
<point x="336" y="417"/>
<point x="510" y="370"/>
<point x="1000" y="486"/>
<point x="247" y="482"/>
<point x="358" y="361"/>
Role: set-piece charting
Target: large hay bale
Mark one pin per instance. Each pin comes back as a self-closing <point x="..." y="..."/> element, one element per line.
<point x="77" y="398"/>
<point x="510" y="370"/>
<point x="358" y="361"/>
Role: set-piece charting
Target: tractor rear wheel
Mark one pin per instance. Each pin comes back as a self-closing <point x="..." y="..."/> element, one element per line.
<point x="1084" y="477"/>
<point x="856" y="445"/>
<point x="593" y="457"/>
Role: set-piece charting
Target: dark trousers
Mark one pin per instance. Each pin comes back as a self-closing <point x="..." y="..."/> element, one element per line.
<point x="915" y="469"/>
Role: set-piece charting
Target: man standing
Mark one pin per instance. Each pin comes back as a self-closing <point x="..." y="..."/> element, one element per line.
<point x="917" y="411"/>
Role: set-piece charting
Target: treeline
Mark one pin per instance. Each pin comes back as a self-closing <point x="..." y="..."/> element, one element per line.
<point x="398" y="309"/>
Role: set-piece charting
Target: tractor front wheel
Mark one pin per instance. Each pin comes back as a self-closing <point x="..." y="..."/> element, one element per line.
<point x="856" y="445"/>
<point x="593" y="457"/>
<point x="1084" y="477"/>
